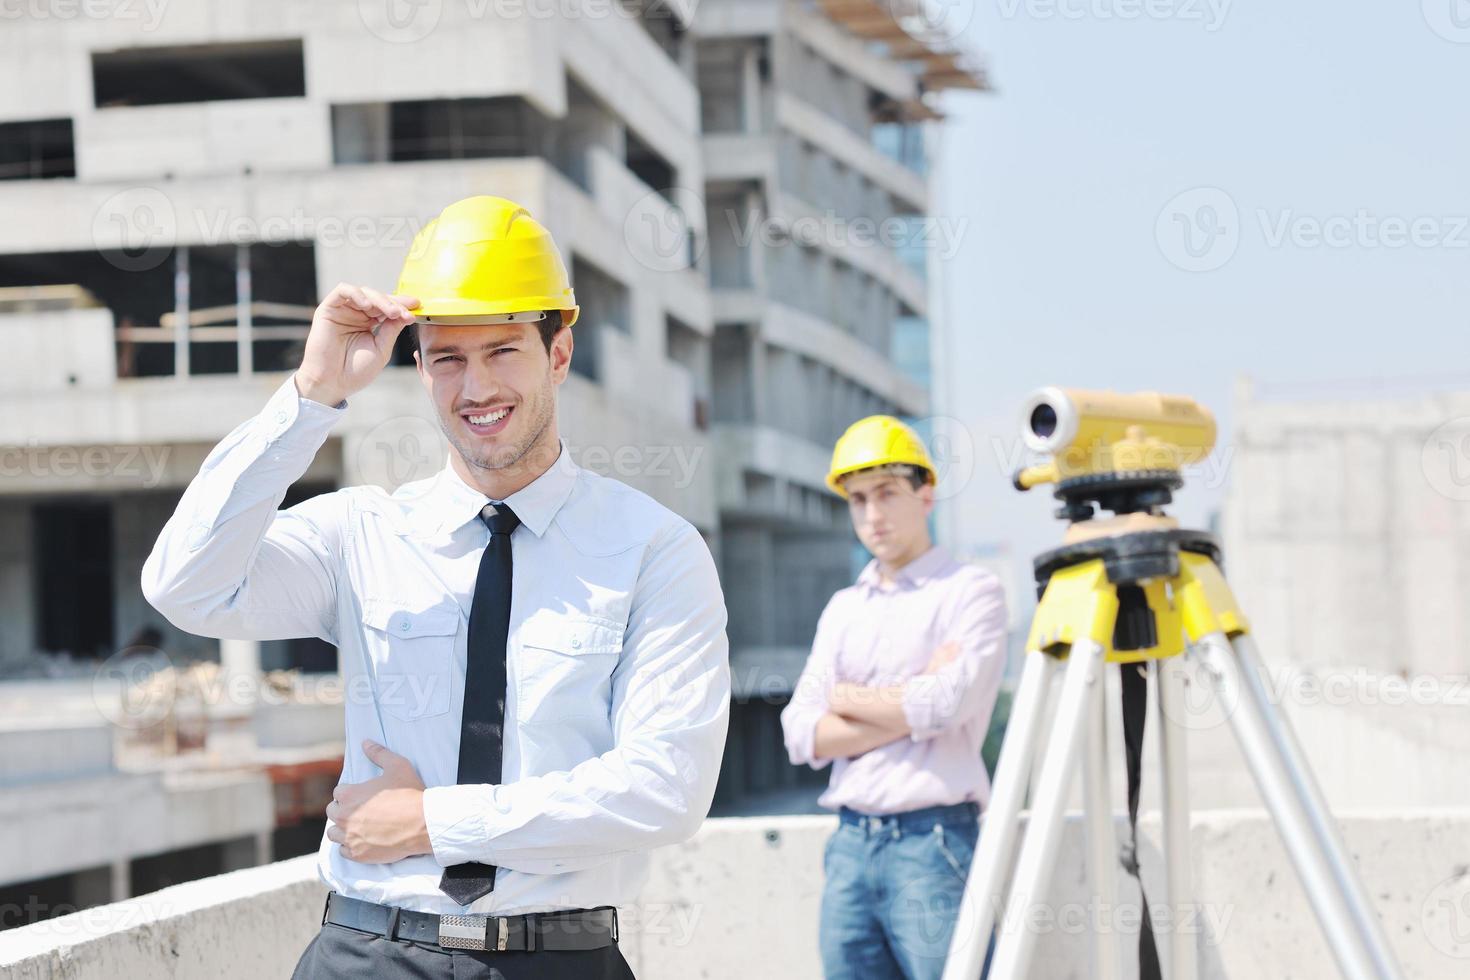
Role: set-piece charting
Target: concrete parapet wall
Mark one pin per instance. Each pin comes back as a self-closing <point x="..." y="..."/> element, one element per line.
<point x="742" y="899"/>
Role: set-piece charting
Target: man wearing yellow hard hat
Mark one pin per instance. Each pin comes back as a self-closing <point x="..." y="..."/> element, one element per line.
<point x="535" y="656"/>
<point x="896" y="696"/>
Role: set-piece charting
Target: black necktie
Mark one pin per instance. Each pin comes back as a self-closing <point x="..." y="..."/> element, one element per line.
<point x="482" y="723"/>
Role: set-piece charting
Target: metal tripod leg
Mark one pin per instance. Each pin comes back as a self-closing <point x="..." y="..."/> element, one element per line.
<point x="985" y="886"/>
<point x="1102" y="840"/>
<point x="1170" y="675"/>
<point x="1044" y="829"/>
<point x="1325" y="871"/>
<point x="1315" y="804"/>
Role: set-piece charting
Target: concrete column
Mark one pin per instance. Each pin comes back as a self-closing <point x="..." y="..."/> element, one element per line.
<point x="181" y="311"/>
<point x="750" y="90"/>
<point x="17" y="602"/>
<point x="244" y="340"/>
<point x="91" y="887"/>
<point x="758" y="203"/>
<point x="243" y="852"/>
<point x="122" y="881"/>
<point x="759" y="409"/>
<point x="239" y="662"/>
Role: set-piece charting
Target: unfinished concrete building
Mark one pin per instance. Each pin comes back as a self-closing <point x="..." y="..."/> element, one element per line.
<point x="813" y="134"/>
<point x="180" y="192"/>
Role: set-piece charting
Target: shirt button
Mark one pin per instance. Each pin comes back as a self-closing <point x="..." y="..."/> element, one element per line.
<point x="403" y="626"/>
<point x="281" y="417"/>
<point x="576" y="642"/>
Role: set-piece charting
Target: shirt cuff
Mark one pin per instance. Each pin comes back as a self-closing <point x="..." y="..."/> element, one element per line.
<point x="806" y="739"/>
<point x="289" y="412"/>
<point x="454" y="816"/>
<point x="799" y="731"/>
<point x="922" y="708"/>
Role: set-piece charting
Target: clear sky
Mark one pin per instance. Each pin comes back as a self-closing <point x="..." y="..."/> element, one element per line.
<point x="1323" y="154"/>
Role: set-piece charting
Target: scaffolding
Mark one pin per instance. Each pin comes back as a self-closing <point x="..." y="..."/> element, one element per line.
<point x="911" y="31"/>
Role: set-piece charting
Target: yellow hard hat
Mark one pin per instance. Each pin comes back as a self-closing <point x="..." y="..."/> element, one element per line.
<point x="485" y="257"/>
<point x="878" y="440"/>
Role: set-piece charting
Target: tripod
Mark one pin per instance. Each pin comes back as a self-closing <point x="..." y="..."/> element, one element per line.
<point x="1134" y="589"/>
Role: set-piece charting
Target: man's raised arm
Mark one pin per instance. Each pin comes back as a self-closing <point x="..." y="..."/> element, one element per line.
<point x="228" y="563"/>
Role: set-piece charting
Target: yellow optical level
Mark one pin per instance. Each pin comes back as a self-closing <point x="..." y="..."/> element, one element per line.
<point x="1090" y="433"/>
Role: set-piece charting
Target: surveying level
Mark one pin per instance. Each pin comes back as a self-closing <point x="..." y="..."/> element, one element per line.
<point x="1135" y="590"/>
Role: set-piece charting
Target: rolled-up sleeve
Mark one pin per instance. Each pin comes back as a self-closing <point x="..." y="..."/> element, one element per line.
<point x="670" y="714"/>
<point x="965" y="689"/>
<point x="809" y="699"/>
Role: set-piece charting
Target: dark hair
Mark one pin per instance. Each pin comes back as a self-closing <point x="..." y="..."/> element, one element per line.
<point x="547" y="328"/>
<point x="917" y="475"/>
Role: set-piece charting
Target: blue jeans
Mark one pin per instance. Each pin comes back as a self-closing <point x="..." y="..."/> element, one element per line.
<point x="893" y="891"/>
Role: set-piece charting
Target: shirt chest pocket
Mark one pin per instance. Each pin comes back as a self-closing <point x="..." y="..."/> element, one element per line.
<point x="412" y="652"/>
<point x="564" y="668"/>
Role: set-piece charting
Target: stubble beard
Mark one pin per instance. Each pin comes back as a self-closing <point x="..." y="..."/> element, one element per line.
<point x="540" y="408"/>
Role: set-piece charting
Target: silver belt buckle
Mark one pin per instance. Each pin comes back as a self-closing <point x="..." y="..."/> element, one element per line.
<point x="473" y="932"/>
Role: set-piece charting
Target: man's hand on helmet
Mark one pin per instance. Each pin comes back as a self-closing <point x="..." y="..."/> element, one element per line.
<point x="351" y="340"/>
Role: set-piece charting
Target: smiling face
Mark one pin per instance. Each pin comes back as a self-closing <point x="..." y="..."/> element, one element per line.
<point x="494" y="390"/>
<point x="889" y="515"/>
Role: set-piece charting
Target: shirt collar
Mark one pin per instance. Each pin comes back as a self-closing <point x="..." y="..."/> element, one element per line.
<point x="913" y="575"/>
<point x="455" y="503"/>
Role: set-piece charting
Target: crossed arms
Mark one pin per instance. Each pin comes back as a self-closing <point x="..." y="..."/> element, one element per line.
<point x="829" y="719"/>
<point x="860" y="719"/>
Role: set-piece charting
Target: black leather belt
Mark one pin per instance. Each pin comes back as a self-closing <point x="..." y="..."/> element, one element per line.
<point x="570" y="929"/>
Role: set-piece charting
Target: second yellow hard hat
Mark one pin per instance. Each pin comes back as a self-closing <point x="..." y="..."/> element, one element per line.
<point x="485" y="257"/>
<point x="878" y="440"/>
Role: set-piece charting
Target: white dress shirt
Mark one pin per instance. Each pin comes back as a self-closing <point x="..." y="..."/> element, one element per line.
<point x="618" y="678"/>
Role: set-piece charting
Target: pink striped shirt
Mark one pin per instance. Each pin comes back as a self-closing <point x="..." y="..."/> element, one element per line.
<point x="883" y="634"/>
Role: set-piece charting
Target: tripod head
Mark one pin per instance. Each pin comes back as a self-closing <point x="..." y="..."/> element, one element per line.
<point x="1118" y="452"/>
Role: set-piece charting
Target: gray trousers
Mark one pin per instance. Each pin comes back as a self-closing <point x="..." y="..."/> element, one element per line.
<point x="340" y="952"/>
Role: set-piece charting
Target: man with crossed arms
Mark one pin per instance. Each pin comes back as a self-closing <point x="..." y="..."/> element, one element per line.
<point x="897" y="696"/>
